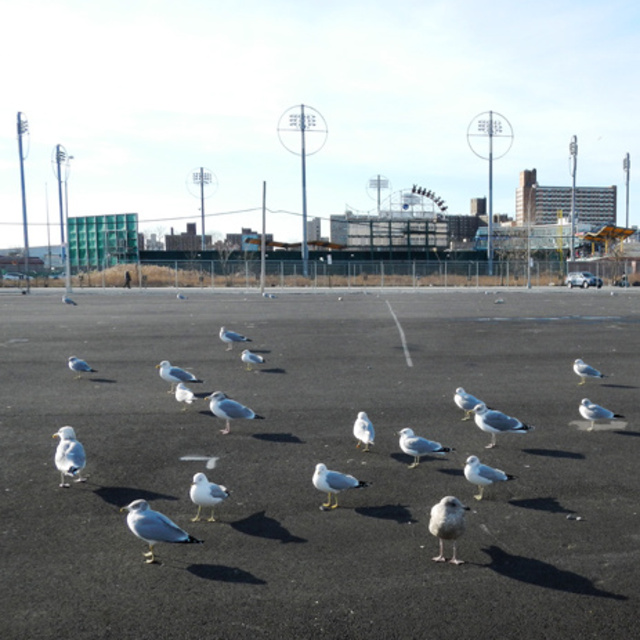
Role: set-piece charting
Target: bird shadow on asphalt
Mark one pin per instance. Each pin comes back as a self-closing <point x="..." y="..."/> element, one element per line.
<point x="272" y="370"/>
<point x="287" y="438"/>
<point x="221" y="573"/>
<point x="541" y="504"/>
<point x="619" y="386"/>
<point x="121" y="496"/>
<point x="554" y="453"/>
<point x="397" y="512"/>
<point x="103" y="380"/>
<point x="262" y="526"/>
<point x="452" y="472"/>
<point x="543" y="574"/>
<point x="407" y="459"/>
<point x="628" y="433"/>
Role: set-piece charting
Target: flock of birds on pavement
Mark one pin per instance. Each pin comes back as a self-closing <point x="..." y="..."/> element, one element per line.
<point x="447" y="517"/>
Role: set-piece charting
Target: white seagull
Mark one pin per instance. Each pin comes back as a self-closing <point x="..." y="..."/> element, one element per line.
<point x="363" y="431"/>
<point x="174" y="375"/>
<point x="70" y="456"/>
<point x="184" y="394"/>
<point x="67" y="300"/>
<point x="206" y="494"/>
<point x="250" y="358"/>
<point x="153" y="527"/>
<point x="79" y="366"/>
<point x="482" y="475"/>
<point x="333" y="482"/>
<point x="466" y="402"/>
<point x="495" y="422"/>
<point x="231" y="336"/>
<point x="593" y="412"/>
<point x="224" y="407"/>
<point x="585" y="371"/>
<point x="416" y="446"/>
<point x="447" y="523"/>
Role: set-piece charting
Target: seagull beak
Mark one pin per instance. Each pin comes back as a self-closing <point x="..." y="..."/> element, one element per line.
<point x="157" y="366"/>
<point x="55" y="435"/>
<point x="122" y="509"/>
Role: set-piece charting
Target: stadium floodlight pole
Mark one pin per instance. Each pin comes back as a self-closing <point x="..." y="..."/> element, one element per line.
<point x="23" y="127"/>
<point x="310" y="121"/>
<point x="60" y="157"/>
<point x="573" y="150"/>
<point x="626" y="165"/>
<point x="492" y="125"/>
<point x="203" y="178"/>
<point x="378" y="183"/>
<point x="67" y="254"/>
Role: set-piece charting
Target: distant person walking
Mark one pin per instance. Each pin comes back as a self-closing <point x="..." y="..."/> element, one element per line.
<point x="127" y="280"/>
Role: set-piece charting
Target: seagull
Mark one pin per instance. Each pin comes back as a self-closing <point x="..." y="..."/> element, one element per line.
<point x="79" y="366"/>
<point x="585" y="371"/>
<point x="206" y="494"/>
<point x="495" y="422"/>
<point x="174" y="375"/>
<point x="466" y="402"/>
<point x="181" y="296"/>
<point x="332" y="483"/>
<point x="250" y="358"/>
<point x="416" y="446"/>
<point x="591" y="411"/>
<point x="268" y="295"/>
<point x="153" y="527"/>
<point x="482" y="475"/>
<point x="184" y="394"/>
<point x="447" y="523"/>
<point x="363" y="431"/>
<point x="231" y="336"/>
<point x="224" y="407"/>
<point x="70" y="457"/>
<point x="68" y="300"/>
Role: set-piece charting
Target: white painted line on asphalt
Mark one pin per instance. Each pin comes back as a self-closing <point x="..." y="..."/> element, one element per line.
<point x="407" y="355"/>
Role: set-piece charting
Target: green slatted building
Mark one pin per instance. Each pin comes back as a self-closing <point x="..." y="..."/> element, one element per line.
<point x="98" y="242"/>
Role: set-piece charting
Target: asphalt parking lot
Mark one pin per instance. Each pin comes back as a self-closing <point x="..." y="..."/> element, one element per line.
<point x="551" y="554"/>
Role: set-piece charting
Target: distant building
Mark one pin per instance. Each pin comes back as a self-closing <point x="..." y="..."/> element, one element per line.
<point x="594" y="206"/>
<point x="314" y="230"/>
<point x="238" y="241"/>
<point x="102" y="241"/>
<point x="187" y="241"/>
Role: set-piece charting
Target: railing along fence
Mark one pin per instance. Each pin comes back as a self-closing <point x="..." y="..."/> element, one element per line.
<point x="352" y="273"/>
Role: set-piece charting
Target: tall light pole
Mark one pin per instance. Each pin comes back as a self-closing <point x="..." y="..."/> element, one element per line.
<point x="23" y="128"/>
<point x="492" y="125"/>
<point x="60" y="162"/>
<point x="297" y="119"/>
<point x="378" y="183"/>
<point x="207" y="184"/>
<point x="626" y="165"/>
<point x="573" y="150"/>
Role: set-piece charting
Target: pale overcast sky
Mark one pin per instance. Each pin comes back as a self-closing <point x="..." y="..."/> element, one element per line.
<point x="142" y="92"/>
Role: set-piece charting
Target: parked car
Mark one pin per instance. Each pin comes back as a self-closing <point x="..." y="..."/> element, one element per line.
<point x="16" y="276"/>
<point x="582" y="279"/>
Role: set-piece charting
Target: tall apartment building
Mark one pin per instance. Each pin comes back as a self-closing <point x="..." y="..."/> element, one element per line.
<point x="595" y="206"/>
<point x="314" y="229"/>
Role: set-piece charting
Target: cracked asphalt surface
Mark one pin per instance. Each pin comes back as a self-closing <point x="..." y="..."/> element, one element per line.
<point x="551" y="554"/>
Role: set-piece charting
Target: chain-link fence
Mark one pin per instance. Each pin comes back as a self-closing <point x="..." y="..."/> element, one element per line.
<point x="353" y="273"/>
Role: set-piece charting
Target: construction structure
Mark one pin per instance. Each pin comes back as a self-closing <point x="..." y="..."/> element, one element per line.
<point x="97" y="242"/>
